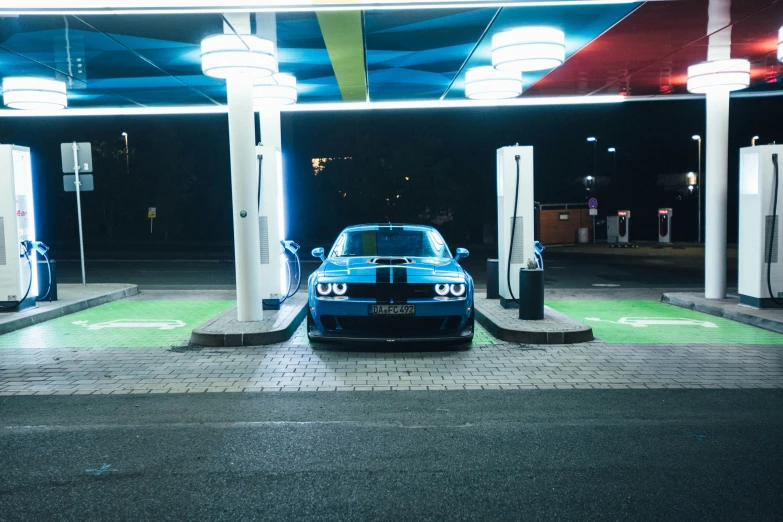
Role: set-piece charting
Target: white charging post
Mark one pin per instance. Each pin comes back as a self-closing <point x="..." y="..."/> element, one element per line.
<point x="515" y="166"/>
<point x="271" y="226"/>
<point x="17" y="225"/>
<point x="760" y="248"/>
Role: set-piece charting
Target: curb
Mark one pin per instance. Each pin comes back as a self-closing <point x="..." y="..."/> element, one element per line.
<point x="201" y="337"/>
<point x="534" y="337"/>
<point x="726" y="313"/>
<point x="78" y="306"/>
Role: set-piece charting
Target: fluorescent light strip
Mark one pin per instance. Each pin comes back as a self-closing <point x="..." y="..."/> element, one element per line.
<point x="173" y="7"/>
<point x="334" y="106"/>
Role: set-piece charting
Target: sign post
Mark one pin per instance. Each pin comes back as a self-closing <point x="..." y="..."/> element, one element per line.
<point x="79" y="159"/>
<point x="152" y="213"/>
<point x="593" y="204"/>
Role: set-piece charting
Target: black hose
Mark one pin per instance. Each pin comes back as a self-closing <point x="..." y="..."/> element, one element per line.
<point x="48" y="290"/>
<point x="260" y="162"/>
<point x="29" y="285"/>
<point x="298" y="279"/>
<point x="513" y="232"/>
<point x="772" y="233"/>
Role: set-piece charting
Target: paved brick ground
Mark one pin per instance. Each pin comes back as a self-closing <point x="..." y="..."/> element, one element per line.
<point x="296" y="366"/>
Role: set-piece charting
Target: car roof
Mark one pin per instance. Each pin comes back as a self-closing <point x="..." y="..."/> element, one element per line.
<point x="389" y="226"/>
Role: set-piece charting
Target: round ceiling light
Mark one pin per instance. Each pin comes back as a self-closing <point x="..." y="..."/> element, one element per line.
<point x="275" y="90"/>
<point x="528" y="49"/>
<point x="228" y="56"/>
<point x="487" y="83"/>
<point x="34" y="94"/>
<point x="718" y="76"/>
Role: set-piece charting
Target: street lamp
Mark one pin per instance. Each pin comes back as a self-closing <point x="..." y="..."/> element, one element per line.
<point x="613" y="151"/>
<point x="127" y="155"/>
<point x="753" y="141"/>
<point x="696" y="137"/>
<point x="589" y="182"/>
<point x="594" y="141"/>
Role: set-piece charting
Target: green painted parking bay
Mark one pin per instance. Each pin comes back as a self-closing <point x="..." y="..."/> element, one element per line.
<point x="127" y="323"/>
<point x="651" y="322"/>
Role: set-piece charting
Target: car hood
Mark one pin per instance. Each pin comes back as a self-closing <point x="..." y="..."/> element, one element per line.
<point x="367" y="270"/>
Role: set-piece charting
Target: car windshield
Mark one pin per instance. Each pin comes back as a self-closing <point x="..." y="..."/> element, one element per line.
<point x="391" y="242"/>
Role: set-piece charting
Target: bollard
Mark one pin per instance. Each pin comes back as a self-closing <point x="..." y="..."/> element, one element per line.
<point x="493" y="279"/>
<point x="531" y="293"/>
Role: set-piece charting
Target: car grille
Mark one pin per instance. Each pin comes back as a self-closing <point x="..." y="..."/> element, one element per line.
<point x="393" y="326"/>
<point x="387" y="291"/>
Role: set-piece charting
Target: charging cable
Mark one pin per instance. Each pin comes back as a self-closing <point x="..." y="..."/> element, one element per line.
<point x="513" y="232"/>
<point x="772" y="233"/>
<point x="43" y="250"/>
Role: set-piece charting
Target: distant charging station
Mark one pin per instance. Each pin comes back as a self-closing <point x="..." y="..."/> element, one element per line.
<point x="760" y="278"/>
<point x="516" y="216"/>
<point x="623" y="226"/>
<point x="664" y="225"/>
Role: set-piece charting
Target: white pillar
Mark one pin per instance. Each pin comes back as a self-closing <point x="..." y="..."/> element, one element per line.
<point x="717" y="157"/>
<point x="269" y="121"/>
<point x="717" y="173"/>
<point x="244" y="195"/>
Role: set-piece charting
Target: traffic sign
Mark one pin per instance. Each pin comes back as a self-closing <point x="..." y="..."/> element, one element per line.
<point x="152" y="212"/>
<point x="593" y="203"/>
<point x="593" y="211"/>
<point x="83" y="155"/>
<point x="69" y="183"/>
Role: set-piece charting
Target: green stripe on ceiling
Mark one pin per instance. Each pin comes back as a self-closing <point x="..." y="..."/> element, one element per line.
<point x="344" y="38"/>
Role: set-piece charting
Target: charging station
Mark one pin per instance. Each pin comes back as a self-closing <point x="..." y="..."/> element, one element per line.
<point x="623" y="226"/>
<point x="271" y="226"/>
<point x="760" y="278"/>
<point x="18" y="264"/>
<point x="664" y="225"/>
<point x="516" y="217"/>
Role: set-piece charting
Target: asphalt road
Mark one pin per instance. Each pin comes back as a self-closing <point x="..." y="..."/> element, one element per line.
<point x="565" y="268"/>
<point x="505" y="455"/>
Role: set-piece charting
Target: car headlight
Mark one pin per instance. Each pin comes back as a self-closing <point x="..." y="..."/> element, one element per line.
<point x="339" y="288"/>
<point x="442" y="289"/>
<point x="458" y="290"/>
<point x="324" y="288"/>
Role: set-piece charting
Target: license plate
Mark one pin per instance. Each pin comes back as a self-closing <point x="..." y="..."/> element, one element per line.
<point x="392" y="309"/>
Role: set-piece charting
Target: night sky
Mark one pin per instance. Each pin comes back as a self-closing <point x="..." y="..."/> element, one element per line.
<point x="180" y="164"/>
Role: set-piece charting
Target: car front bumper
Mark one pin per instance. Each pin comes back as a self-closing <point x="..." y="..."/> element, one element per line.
<point x="347" y="320"/>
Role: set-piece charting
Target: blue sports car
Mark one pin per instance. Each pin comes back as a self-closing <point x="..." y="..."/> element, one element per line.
<point x="390" y="283"/>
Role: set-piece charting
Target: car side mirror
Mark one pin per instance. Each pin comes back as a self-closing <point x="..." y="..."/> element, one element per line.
<point x="461" y="253"/>
<point x="318" y="252"/>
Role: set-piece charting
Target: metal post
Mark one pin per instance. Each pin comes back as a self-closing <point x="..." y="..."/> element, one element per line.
<point x="79" y="207"/>
<point x="699" y="188"/>
<point x="716" y="195"/>
<point x="127" y="155"/>
<point x="593" y="229"/>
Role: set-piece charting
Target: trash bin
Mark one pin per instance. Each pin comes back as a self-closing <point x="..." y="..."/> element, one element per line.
<point x="43" y="281"/>
<point x="493" y="279"/>
<point x="583" y="235"/>
<point x="531" y="293"/>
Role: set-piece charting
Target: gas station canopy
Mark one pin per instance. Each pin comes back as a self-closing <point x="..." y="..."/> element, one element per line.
<point x="144" y="56"/>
